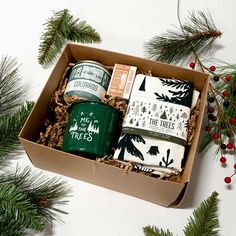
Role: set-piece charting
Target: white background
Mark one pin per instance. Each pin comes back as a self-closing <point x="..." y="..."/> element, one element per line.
<point x="124" y="27"/>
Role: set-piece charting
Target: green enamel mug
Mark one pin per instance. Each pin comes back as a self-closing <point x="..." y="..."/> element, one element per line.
<point x="92" y="129"/>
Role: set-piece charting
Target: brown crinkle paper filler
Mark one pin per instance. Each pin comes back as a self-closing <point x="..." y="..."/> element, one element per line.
<point x="116" y="102"/>
<point x="55" y="124"/>
<point x="192" y="123"/>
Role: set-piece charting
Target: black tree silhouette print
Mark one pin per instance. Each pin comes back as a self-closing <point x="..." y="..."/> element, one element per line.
<point x="163" y="116"/>
<point x="142" y="86"/>
<point x="153" y="150"/>
<point x="126" y="144"/>
<point x="166" y="160"/>
<point x="182" y="95"/>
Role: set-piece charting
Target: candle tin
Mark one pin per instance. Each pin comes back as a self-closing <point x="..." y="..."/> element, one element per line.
<point x="89" y="80"/>
<point x="92" y="129"/>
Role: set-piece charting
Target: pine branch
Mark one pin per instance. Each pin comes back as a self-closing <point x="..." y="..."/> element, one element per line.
<point x="10" y="127"/>
<point x="196" y="35"/>
<point x="83" y="33"/>
<point x="154" y="231"/>
<point x="58" y="29"/>
<point x="205" y="219"/>
<point x="14" y="205"/>
<point x="9" y="226"/>
<point x="11" y="92"/>
<point x="203" y="223"/>
<point x="40" y="192"/>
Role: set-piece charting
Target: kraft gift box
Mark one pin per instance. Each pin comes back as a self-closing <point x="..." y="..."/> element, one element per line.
<point x="162" y="192"/>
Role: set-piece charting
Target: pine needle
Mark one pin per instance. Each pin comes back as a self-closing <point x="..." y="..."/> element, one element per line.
<point x="83" y="33"/>
<point x="42" y="192"/>
<point x="11" y="91"/>
<point x="196" y="35"/>
<point x="60" y="28"/>
<point x="9" y="226"/>
<point x="14" y="205"/>
<point x="205" y="219"/>
<point x="203" y="223"/>
<point x="154" y="231"/>
<point x="10" y="126"/>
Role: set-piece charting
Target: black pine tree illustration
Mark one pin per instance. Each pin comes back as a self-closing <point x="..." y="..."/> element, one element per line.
<point x="144" y="109"/>
<point x="142" y="86"/>
<point x="131" y="121"/>
<point x="153" y="150"/>
<point x="163" y="116"/>
<point x="166" y="160"/>
<point x="126" y="144"/>
<point x="182" y="95"/>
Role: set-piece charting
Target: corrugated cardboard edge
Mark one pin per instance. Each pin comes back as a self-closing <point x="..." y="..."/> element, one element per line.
<point x="70" y="54"/>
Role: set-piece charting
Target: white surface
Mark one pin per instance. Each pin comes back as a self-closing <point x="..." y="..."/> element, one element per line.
<point x="124" y="27"/>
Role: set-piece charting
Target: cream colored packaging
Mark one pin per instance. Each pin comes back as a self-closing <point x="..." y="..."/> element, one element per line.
<point x="162" y="192"/>
<point x="121" y="81"/>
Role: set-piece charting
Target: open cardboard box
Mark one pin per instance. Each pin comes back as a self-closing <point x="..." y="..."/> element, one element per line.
<point x="162" y="192"/>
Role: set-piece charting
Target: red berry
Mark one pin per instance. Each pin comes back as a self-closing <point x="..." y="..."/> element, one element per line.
<point x="235" y="166"/>
<point x="211" y="109"/>
<point x="227" y="180"/>
<point x="192" y="65"/>
<point x="228" y="77"/>
<point x="216" y="136"/>
<point x="212" y="68"/>
<point x="208" y="128"/>
<point x="233" y="120"/>
<point x="225" y="93"/>
<point x="223" y="160"/>
<point x="230" y="146"/>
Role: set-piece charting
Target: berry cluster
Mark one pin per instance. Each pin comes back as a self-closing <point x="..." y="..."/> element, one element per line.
<point x="221" y="114"/>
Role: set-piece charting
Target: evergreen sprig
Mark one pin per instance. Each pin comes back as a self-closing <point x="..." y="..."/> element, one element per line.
<point x="154" y="231"/>
<point x="197" y="34"/>
<point x="61" y="27"/>
<point x="16" y="228"/>
<point x="11" y="90"/>
<point x="204" y="221"/>
<point x="10" y="126"/>
<point x="27" y="200"/>
<point x="15" y="205"/>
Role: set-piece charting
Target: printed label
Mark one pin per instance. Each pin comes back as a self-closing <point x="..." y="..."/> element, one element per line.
<point x="85" y="128"/>
<point x="88" y="80"/>
<point x="122" y="80"/>
<point x="78" y="86"/>
<point x="157" y="119"/>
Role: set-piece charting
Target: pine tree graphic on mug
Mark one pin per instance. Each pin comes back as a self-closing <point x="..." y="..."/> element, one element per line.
<point x="92" y="128"/>
<point x="74" y="127"/>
